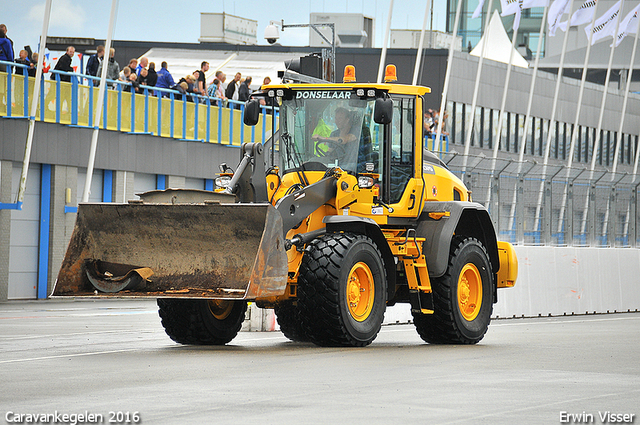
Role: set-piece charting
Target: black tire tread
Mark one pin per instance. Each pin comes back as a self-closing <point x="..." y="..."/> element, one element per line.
<point x="288" y="318"/>
<point x="318" y="297"/>
<point x="440" y="327"/>
<point x="184" y="321"/>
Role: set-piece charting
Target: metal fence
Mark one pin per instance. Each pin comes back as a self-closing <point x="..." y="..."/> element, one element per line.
<point x="534" y="204"/>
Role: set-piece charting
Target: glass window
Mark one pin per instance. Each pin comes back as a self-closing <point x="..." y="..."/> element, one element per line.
<point x="402" y="134"/>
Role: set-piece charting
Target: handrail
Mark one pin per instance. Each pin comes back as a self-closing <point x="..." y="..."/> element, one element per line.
<point x="157" y="111"/>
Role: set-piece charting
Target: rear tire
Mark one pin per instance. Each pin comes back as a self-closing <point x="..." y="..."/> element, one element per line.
<point x="342" y="291"/>
<point x="201" y="322"/>
<point x="289" y="321"/>
<point x="463" y="297"/>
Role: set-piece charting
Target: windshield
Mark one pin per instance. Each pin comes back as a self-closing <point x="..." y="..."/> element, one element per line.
<point x="330" y="128"/>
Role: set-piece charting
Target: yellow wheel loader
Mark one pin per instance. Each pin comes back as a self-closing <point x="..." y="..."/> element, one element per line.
<point x="354" y="215"/>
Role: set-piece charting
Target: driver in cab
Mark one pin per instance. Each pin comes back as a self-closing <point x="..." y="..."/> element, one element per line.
<point x="339" y="144"/>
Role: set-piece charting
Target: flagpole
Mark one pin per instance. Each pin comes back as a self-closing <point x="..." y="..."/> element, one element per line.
<point x="447" y="78"/>
<point x="552" y="120"/>
<point x="626" y="96"/>
<point x="385" y="42"/>
<point x="467" y="142"/>
<point x="101" y="94"/>
<point x="604" y="100"/>
<point x="421" y="44"/>
<point x="35" y="101"/>
<point x="505" y="90"/>
<point x="525" y="129"/>
<point x="574" y="133"/>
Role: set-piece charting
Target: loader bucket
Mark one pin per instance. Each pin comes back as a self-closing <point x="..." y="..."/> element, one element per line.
<point x="196" y="250"/>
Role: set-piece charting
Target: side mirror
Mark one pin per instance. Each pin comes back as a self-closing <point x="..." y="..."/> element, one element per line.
<point x="251" y="112"/>
<point x="383" y="111"/>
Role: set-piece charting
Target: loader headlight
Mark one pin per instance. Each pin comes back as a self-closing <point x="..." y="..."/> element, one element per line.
<point x="223" y="181"/>
<point x="365" y="182"/>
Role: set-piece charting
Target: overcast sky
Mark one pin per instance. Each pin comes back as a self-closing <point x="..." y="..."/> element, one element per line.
<point x="162" y="20"/>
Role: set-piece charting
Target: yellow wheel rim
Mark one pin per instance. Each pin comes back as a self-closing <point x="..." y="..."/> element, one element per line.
<point x="220" y="309"/>
<point x="360" y="291"/>
<point x="469" y="292"/>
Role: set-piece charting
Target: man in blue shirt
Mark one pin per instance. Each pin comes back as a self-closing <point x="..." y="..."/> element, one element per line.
<point x="165" y="80"/>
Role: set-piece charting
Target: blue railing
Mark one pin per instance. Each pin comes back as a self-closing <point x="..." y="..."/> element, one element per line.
<point x="156" y="111"/>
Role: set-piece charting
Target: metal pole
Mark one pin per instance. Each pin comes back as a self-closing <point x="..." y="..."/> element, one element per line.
<point x="525" y="129"/>
<point x="35" y="101"/>
<point x="605" y="91"/>
<point x="574" y="134"/>
<point x="467" y="142"/>
<point x="101" y="93"/>
<point x="552" y="119"/>
<point x="421" y="44"/>
<point x="383" y="55"/>
<point x="505" y="90"/>
<point x="447" y="76"/>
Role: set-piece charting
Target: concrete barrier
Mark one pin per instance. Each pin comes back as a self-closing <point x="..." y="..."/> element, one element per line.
<point x="552" y="281"/>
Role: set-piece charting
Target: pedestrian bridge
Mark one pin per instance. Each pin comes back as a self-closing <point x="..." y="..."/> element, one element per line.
<point x="155" y="111"/>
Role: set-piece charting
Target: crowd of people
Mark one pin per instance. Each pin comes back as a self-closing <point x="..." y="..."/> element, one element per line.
<point x="431" y="123"/>
<point x="139" y="74"/>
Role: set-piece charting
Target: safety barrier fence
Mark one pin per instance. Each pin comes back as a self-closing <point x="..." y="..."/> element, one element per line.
<point x="534" y="204"/>
<point x="155" y="111"/>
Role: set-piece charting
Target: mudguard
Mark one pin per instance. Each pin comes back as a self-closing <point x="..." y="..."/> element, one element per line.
<point x="438" y="223"/>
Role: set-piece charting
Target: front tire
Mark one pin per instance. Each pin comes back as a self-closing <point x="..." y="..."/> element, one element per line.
<point x="201" y="322"/>
<point x="342" y="290"/>
<point x="463" y="297"/>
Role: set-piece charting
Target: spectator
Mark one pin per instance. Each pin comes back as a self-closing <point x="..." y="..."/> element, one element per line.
<point x="165" y="79"/>
<point x="133" y="86"/>
<point x="144" y="62"/>
<point x="124" y="75"/>
<point x="6" y="51"/>
<point x="3" y="27"/>
<point x="232" y="88"/>
<point x="22" y="60"/>
<point x="152" y="78"/>
<point x="133" y="63"/>
<point x="113" y="68"/>
<point x="142" y="79"/>
<point x="94" y="63"/>
<point x="244" y="91"/>
<point x="64" y="64"/>
<point x="266" y="81"/>
<point x="33" y="65"/>
<point x="221" y="76"/>
<point x="202" y="78"/>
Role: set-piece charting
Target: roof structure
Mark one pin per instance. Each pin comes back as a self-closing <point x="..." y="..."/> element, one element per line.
<point x="256" y="64"/>
<point x="498" y="44"/>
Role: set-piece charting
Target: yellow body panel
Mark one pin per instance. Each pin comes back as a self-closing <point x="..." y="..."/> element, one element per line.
<point x="508" y="272"/>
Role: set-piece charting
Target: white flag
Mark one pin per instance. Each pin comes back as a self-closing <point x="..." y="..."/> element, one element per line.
<point x="556" y="10"/>
<point x="629" y="25"/>
<point x="510" y="7"/>
<point x="478" y="11"/>
<point x="604" y="25"/>
<point x="581" y="16"/>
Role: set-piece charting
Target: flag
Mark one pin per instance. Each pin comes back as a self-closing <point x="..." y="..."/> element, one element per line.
<point x="510" y="7"/>
<point x="556" y="10"/>
<point x="604" y="25"/>
<point x="478" y="11"/>
<point x="581" y="16"/>
<point x="629" y="25"/>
